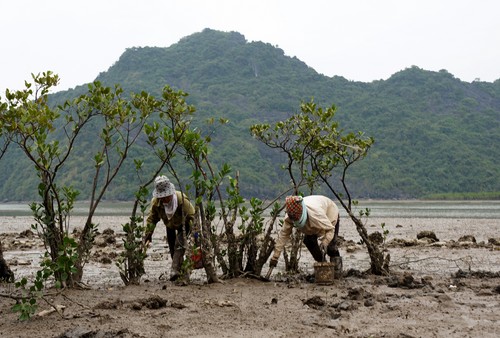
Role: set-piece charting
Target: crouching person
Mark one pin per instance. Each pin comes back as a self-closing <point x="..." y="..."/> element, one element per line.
<point x="177" y="213"/>
<point x="317" y="217"/>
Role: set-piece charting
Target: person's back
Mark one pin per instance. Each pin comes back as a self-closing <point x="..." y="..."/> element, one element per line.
<point x="318" y="218"/>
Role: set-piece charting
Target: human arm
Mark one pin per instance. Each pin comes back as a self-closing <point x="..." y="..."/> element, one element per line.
<point x="324" y="248"/>
<point x="152" y="219"/>
<point x="188" y="211"/>
<point x="283" y="238"/>
<point x="148" y="234"/>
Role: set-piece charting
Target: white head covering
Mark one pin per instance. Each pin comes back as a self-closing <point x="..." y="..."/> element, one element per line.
<point x="163" y="187"/>
<point x="171" y="207"/>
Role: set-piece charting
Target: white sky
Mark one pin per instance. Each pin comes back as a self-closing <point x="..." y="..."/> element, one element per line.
<point x="361" y="40"/>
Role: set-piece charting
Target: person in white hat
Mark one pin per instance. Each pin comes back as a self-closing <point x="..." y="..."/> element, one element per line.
<point x="317" y="217"/>
<point x="177" y="213"/>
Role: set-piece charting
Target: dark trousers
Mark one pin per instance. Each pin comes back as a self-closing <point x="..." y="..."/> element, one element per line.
<point x="311" y="243"/>
<point x="175" y="238"/>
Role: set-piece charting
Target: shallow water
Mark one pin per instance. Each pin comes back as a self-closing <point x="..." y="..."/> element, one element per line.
<point x="378" y="208"/>
<point x="432" y="209"/>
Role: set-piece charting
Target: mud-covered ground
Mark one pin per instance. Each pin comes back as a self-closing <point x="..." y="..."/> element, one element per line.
<point x="446" y="286"/>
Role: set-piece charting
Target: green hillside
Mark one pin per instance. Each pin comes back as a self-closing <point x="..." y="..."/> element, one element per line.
<point x="434" y="134"/>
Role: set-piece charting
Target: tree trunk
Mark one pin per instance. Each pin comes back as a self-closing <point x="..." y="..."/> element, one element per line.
<point x="252" y="251"/>
<point x="232" y="250"/>
<point x="266" y="249"/>
<point x="207" y="250"/>
<point x="379" y="265"/>
<point x="5" y="273"/>
<point x="292" y="262"/>
<point x="85" y="244"/>
<point x="53" y="237"/>
<point x="134" y="253"/>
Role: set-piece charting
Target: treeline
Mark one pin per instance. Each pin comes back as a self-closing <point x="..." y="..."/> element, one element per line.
<point x="494" y="195"/>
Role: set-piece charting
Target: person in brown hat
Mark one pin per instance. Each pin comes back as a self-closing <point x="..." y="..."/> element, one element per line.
<point x="318" y="218"/>
<point x="177" y="213"/>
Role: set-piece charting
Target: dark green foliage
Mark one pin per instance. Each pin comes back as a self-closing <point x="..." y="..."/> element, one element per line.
<point x="434" y="133"/>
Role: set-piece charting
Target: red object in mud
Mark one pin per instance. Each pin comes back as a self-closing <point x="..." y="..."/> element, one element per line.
<point x="197" y="259"/>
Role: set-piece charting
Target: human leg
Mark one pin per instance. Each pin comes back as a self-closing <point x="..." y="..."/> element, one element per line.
<point x="334" y="253"/>
<point x="332" y="249"/>
<point x="171" y="235"/>
<point x="311" y="243"/>
<point x="179" y="251"/>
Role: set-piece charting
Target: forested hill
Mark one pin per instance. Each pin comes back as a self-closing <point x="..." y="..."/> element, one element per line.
<point x="433" y="133"/>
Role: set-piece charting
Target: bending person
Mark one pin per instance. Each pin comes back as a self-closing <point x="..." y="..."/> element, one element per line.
<point x="317" y="217"/>
<point x="177" y="213"/>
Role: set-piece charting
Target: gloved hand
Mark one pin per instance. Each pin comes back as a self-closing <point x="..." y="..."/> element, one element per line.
<point x="147" y="239"/>
<point x="323" y="247"/>
<point x="148" y="236"/>
<point x="273" y="262"/>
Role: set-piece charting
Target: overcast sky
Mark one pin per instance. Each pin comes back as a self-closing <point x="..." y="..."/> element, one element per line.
<point x="361" y="40"/>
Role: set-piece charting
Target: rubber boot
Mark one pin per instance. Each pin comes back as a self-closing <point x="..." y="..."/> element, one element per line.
<point x="337" y="266"/>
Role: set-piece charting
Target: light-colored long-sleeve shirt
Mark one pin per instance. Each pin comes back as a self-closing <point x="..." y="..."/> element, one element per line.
<point x="322" y="215"/>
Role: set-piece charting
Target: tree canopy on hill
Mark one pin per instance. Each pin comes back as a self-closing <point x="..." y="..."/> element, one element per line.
<point x="434" y="133"/>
